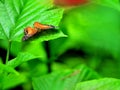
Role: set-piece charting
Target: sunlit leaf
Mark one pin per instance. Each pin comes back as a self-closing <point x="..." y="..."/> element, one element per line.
<point x="100" y="84"/>
<point x="62" y="80"/>
<point x="13" y="80"/>
<point x="7" y="69"/>
<point x="21" y="58"/>
<point x="17" y="14"/>
<point x="35" y="48"/>
<point x="9" y="77"/>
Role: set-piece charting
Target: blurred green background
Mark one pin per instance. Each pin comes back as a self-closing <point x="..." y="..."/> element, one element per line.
<point x="92" y="42"/>
<point x="93" y="39"/>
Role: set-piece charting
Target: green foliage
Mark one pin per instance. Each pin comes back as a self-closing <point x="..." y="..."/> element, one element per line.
<point x="80" y="59"/>
<point x="23" y="57"/>
<point x="9" y="80"/>
<point x="100" y="84"/>
<point x="8" y="69"/>
<point x="22" y="13"/>
<point x="15" y="15"/>
<point x="113" y="3"/>
<point x="66" y="79"/>
<point x="93" y="25"/>
<point x="13" y="80"/>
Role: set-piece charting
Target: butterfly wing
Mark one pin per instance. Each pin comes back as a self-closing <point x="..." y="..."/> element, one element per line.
<point x="43" y="26"/>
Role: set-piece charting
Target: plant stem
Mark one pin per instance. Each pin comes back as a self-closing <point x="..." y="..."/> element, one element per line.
<point x="48" y="55"/>
<point x="8" y="52"/>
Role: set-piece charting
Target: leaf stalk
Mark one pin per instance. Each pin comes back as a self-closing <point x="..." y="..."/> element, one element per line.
<point x="8" y="52"/>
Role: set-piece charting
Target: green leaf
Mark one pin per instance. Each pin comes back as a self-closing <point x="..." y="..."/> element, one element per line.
<point x="12" y="80"/>
<point x="21" y="58"/>
<point x="14" y="51"/>
<point x="87" y="73"/>
<point x="35" y="48"/>
<point x="58" y="47"/>
<point x="56" y="81"/>
<point x="100" y="84"/>
<point x="49" y="35"/>
<point x="66" y="79"/>
<point x="109" y="68"/>
<point x="1" y="79"/>
<point x="37" y="68"/>
<point x="8" y="69"/>
<point x="9" y="77"/>
<point x="17" y="14"/>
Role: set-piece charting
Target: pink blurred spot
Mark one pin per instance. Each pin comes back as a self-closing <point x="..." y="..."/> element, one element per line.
<point x="69" y="2"/>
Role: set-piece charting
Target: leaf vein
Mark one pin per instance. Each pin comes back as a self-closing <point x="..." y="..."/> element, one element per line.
<point x="9" y="15"/>
<point x="4" y="31"/>
<point x="15" y="7"/>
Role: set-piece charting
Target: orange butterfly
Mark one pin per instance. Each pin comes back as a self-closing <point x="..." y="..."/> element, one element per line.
<point x="38" y="27"/>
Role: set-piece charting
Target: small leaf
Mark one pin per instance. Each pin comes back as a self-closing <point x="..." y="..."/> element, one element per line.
<point x="100" y="84"/>
<point x="21" y="58"/>
<point x="8" y="69"/>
